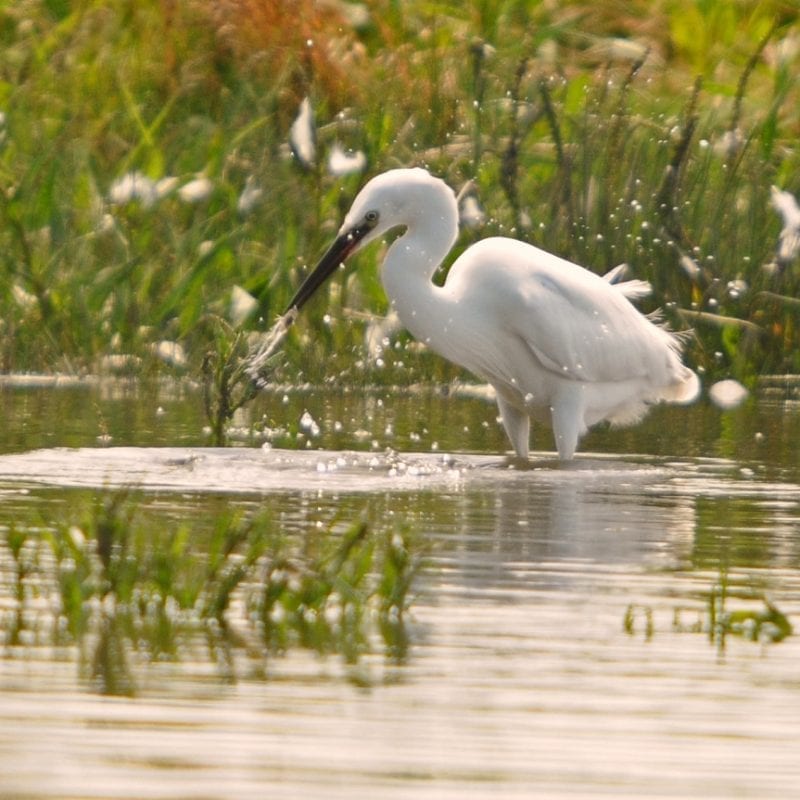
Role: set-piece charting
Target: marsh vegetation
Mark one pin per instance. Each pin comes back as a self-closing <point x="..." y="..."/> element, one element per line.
<point x="142" y="189"/>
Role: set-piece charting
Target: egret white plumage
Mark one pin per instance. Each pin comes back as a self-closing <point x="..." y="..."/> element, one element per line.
<point x="553" y="339"/>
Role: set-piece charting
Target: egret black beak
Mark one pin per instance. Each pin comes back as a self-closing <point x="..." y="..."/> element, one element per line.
<point x="335" y="255"/>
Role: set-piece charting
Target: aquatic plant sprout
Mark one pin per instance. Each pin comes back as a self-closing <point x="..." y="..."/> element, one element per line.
<point x="127" y="594"/>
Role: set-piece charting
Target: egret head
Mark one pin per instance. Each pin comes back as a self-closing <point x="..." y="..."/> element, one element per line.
<point x="398" y="198"/>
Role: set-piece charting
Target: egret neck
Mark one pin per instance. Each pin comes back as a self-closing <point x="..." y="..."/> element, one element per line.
<point x="410" y="264"/>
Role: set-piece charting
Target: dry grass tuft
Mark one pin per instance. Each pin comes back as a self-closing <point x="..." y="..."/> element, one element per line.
<point x="297" y="43"/>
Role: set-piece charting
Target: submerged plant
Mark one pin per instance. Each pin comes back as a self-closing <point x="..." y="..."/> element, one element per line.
<point x="18" y="543"/>
<point x="227" y="386"/>
<point x="766" y="623"/>
<point x="237" y="368"/>
<point x="760" y="621"/>
<point x="315" y="598"/>
<point x="129" y="594"/>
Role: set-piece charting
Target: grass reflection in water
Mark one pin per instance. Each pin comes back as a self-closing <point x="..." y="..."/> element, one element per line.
<point x="123" y="593"/>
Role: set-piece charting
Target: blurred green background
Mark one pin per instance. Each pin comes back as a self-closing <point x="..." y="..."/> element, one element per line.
<point x="145" y="169"/>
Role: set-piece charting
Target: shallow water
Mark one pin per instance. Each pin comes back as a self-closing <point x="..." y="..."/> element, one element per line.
<point x="560" y="632"/>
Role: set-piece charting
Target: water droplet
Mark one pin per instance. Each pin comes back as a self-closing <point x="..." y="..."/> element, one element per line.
<point x="728" y="394"/>
<point x="309" y="424"/>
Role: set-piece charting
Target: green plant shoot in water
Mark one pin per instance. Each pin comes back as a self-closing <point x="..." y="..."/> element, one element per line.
<point x="129" y="594"/>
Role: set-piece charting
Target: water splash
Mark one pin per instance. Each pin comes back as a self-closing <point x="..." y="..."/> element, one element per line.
<point x="302" y="135"/>
<point x="471" y="213"/>
<point x="344" y="163"/>
<point x="262" y="351"/>
<point x="727" y="394"/>
<point x="251" y="196"/>
<point x="242" y="305"/>
<point x="309" y="424"/>
<point x="789" y="239"/>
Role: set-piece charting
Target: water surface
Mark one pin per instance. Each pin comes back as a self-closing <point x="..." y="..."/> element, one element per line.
<point x="561" y="642"/>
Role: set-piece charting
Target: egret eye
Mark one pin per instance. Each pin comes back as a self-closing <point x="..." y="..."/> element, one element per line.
<point x="371" y="217"/>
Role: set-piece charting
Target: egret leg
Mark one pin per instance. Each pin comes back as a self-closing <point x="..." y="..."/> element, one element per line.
<point x="567" y="414"/>
<point x="517" y="425"/>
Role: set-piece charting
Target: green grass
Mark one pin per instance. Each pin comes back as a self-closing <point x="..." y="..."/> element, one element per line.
<point x="126" y="591"/>
<point x="566" y="124"/>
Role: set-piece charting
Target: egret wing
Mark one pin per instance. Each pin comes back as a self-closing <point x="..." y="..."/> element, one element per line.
<point x="595" y="336"/>
<point x="576" y="324"/>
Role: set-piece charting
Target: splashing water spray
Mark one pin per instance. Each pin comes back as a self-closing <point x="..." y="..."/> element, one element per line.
<point x="257" y="360"/>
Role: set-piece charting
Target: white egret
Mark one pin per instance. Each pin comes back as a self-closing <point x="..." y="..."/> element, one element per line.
<point x="552" y="338"/>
